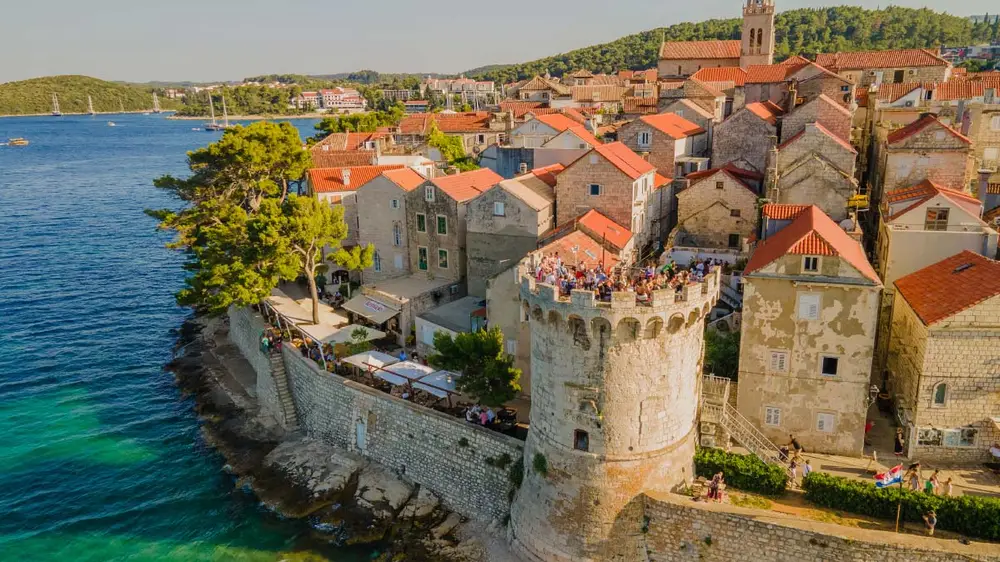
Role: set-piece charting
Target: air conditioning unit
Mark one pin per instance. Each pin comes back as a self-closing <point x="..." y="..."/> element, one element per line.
<point x="707" y="428"/>
<point x="908" y="104"/>
<point x="708" y="441"/>
<point x="913" y="71"/>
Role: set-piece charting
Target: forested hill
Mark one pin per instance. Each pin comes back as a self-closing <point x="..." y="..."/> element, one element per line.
<point x="804" y="31"/>
<point x="35" y="96"/>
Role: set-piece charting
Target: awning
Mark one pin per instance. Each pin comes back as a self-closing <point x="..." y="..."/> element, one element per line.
<point x="371" y="308"/>
<point x="346" y="334"/>
<point x="371" y="360"/>
<point x="403" y="372"/>
<point x="438" y="382"/>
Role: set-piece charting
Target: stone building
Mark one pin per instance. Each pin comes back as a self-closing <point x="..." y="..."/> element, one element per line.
<point x="477" y="129"/>
<point x="746" y="137"/>
<point x="815" y="167"/>
<point x="897" y="66"/>
<point x="668" y="139"/>
<point x="436" y="226"/>
<point x="793" y="82"/>
<point x="383" y="222"/>
<point x="718" y="209"/>
<point x="505" y="222"/>
<point x="339" y="186"/>
<point x="810" y="304"/>
<point x="540" y="129"/>
<point x="822" y="109"/>
<point x="613" y="416"/>
<point x="694" y="113"/>
<point x="984" y="131"/>
<point x="756" y="45"/>
<point x="611" y="179"/>
<point x="943" y="354"/>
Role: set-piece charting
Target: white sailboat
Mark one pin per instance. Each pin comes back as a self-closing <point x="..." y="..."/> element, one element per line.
<point x="214" y="125"/>
<point x="55" y="106"/>
<point x="225" y="114"/>
<point x="121" y="106"/>
<point x="156" y="103"/>
<point x="90" y="106"/>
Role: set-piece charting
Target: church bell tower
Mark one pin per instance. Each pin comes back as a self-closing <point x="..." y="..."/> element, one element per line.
<point x="757" y="42"/>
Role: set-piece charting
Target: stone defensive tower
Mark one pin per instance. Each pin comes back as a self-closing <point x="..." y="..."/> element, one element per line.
<point x="614" y="405"/>
<point x="757" y="40"/>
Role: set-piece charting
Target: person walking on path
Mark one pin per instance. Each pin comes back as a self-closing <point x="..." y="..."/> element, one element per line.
<point x="948" y="489"/>
<point x="794" y="444"/>
<point x="931" y="485"/>
<point x="930" y="519"/>
<point x="897" y="446"/>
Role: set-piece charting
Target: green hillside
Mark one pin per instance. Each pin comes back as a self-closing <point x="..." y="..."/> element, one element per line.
<point x="804" y="31"/>
<point x="35" y="95"/>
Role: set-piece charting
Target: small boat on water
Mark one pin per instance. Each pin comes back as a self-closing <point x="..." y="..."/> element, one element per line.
<point x="195" y="128"/>
<point x="55" y="106"/>
<point x="112" y="124"/>
<point x="19" y="141"/>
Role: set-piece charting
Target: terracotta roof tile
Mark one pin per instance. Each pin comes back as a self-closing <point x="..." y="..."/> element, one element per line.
<point x="743" y="177"/>
<point x="347" y="141"/>
<point x="519" y="108"/>
<point x="649" y="75"/>
<point x="811" y="233"/>
<point x="672" y="125"/>
<point x="639" y="105"/>
<point x="822" y="130"/>
<point x="765" y="110"/>
<point x="922" y="192"/>
<point x="420" y="123"/>
<point x="624" y="159"/>
<point x="604" y="228"/>
<point x="674" y="50"/>
<point x="598" y="94"/>
<point x="769" y="73"/>
<point x="542" y="83"/>
<point x="548" y="173"/>
<point x="953" y="90"/>
<point x="920" y="125"/>
<point x="407" y="179"/>
<point x="733" y="74"/>
<point x="327" y="180"/>
<point x="660" y="180"/>
<point x="688" y="104"/>
<point x="584" y="134"/>
<point x="782" y="211"/>
<point x="341" y="158"/>
<point x="557" y="121"/>
<point x="579" y="248"/>
<point x="862" y="60"/>
<point x="465" y="186"/>
<point x="950" y="286"/>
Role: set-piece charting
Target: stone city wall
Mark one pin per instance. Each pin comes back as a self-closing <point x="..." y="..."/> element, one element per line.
<point x="245" y="328"/>
<point x="682" y="530"/>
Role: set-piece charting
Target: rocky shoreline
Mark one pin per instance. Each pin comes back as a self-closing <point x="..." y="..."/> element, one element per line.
<point x="348" y="499"/>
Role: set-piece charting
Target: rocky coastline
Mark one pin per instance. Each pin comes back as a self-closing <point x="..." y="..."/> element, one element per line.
<point x="346" y="498"/>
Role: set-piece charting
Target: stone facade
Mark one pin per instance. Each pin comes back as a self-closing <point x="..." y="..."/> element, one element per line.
<point x="682" y="68"/>
<point x="384" y="224"/>
<point x="614" y="405"/>
<point x="245" y="329"/>
<point x="823" y="110"/>
<point x="430" y="239"/>
<point x="662" y="148"/>
<point x="984" y="130"/>
<point x="921" y="74"/>
<point x="680" y="530"/>
<point x="815" y="169"/>
<point x="961" y="353"/>
<point x="743" y="137"/>
<point x="783" y="389"/>
<point x="708" y="216"/>
<point x="931" y="154"/>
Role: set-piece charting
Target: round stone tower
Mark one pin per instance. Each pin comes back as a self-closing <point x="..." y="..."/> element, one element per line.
<point x="614" y="403"/>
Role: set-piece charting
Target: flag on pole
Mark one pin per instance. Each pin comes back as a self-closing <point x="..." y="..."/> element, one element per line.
<point x="889" y="477"/>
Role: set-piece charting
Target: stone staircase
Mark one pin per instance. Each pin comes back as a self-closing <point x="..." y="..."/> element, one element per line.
<point x="290" y="419"/>
<point x="715" y="408"/>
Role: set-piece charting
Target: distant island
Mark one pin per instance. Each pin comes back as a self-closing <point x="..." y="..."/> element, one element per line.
<point x="34" y="96"/>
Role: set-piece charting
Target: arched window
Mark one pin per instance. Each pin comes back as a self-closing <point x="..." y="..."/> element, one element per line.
<point x="581" y="441"/>
<point x="940" y="394"/>
<point x="753" y="38"/>
<point x="760" y="39"/>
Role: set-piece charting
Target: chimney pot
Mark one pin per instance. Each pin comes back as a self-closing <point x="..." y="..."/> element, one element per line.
<point x="346" y="175"/>
<point x="522" y="168"/>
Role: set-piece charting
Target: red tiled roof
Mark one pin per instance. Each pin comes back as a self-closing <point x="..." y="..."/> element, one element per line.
<point x="709" y="89"/>
<point x="694" y="107"/>
<point x="584" y="134"/>
<point x="782" y="211"/>
<point x="575" y="114"/>
<point x="823" y="130"/>
<point x="648" y="75"/>
<point x="605" y="229"/>
<point x="811" y="233"/>
<point x="863" y="60"/>
<point x="672" y="125"/>
<point x="416" y="102"/>
<point x="733" y="74"/>
<point x="765" y="110"/>
<point x="924" y="191"/>
<point x="347" y="141"/>
<point x="639" y="105"/>
<point x="465" y="186"/>
<point x="578" y="248"/>
<point x="407" y="179"/>
<point x="660" y="181"/>
<point x="557" y="121"/>
<point x="796" y="60"/>
<point x="953" y="90"/>
<point x="548" y="173"/>
<point x="950" y="286"/>
<point x="598" y="93"/>
<point x="624" y="159"/>
<point x="769" y="73"/>
<point x="674" y="50"/>
<point x="341" y="158"/>
<point x="420" y="123"/>
<point x="920" y="125"/>
<point x="520" y="108"/>
<point x="743" y="177"/>
<point x="326" y="180"/>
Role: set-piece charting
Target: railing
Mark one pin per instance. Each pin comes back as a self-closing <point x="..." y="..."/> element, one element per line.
<point x="744" y="432"/>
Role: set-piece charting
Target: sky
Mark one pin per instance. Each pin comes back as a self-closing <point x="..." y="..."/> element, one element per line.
<point x="210" y="40"/>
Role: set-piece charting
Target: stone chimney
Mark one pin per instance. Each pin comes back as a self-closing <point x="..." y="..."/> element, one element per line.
<point x="983" y="187"/>
<point x="346" y="175"/>
<point x="793" y="93"/>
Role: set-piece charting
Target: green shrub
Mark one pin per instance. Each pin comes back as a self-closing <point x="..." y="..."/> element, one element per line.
<point x="540" y="464"/>
<point x="516" y="474"/>
<point x="972" y="516"/>
<point x="744" y="472"/>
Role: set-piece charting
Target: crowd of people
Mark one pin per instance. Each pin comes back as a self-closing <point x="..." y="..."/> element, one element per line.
<point x="487" y="416"/>
<point x="641" y="280"/>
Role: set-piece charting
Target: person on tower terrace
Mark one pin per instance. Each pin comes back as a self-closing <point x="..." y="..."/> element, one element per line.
<point x="642" y="280"/>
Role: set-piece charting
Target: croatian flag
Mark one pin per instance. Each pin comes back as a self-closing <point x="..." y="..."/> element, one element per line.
<point x="889" y="477"/>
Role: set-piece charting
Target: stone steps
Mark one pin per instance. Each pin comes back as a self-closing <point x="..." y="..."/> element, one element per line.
<point x="280" y="376"/>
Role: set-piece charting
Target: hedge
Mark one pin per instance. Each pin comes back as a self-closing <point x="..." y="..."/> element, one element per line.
<point x="744" y="472"/>
<point x="972" y="516"/>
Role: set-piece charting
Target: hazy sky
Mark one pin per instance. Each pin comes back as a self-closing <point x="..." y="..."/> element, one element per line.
<point x="203" y="40"/>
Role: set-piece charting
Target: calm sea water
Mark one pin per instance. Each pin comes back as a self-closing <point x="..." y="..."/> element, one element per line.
<point x="100" y="456"/>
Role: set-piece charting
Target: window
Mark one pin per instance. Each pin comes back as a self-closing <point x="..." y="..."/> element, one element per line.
<point x="498" y="209"/>
<point x="481" y="139"/>
<point x="443" y="259"/>
<point x="720" y="185"/>
<point x="429" y="193"/>
<point x="940" y="395"/>
<point x="510" y="346"/>
<point x="442" y="224"/>
<point x="930" y="436"/>
<point x="645" y="138"/>
<point x="734" y="212"/>
<point x="581" y="441"/>
<point x="809" y="307"/>
<point x="937" y="219"/>
<point x="593" y="159"/>
<point x="394" y="204"/>
<point x="995" y="123"/>
<point x="779" y="361"/>
<point x="824" y="422"/>
<point x="397" y="234"/>
<point x="772" y="416"/>
<point x="421" y="222"/>
<point x="595" y="189"/>
<point x="810" y="264"/>
<point x="679" y="72"/>
<point x="377" y="262"/>
<point x="734" y="240"/>
<point x="845" y="88"/>
<point x="422" y="258"/>
<point x="828" y="366"/>
<point x="991" y="154"/>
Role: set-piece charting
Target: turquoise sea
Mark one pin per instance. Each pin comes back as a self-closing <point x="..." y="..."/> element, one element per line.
<point x="100" y="455"/>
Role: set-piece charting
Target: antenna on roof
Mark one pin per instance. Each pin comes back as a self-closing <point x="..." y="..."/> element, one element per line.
<point x="962" y="267"/>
